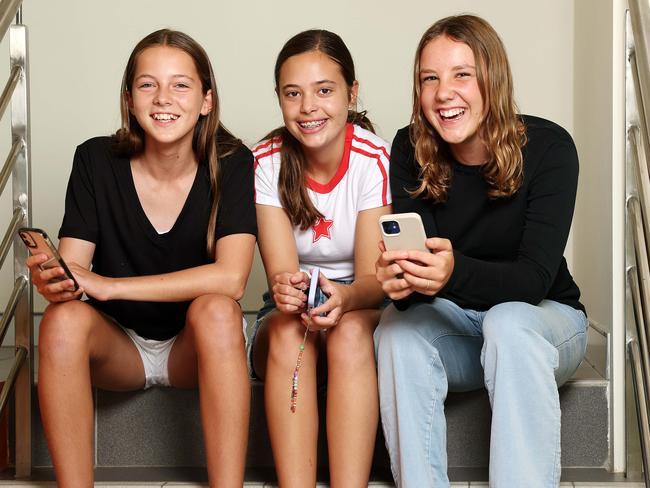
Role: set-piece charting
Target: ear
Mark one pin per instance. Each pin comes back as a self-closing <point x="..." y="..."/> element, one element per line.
<point x="206" y="108"/>
<point x="277" y="94"/>
<point x="354" y="93"/>
<point x="129" y="100"/>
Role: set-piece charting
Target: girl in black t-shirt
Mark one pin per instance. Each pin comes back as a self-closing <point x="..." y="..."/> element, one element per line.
<point x="493" y="304"/>
<point x="159" y="231"/>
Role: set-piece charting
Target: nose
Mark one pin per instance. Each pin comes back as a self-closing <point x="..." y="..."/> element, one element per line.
<point x="308" y="103"/>
<point x="445" y="90"/>
<point x="162" y="96"/>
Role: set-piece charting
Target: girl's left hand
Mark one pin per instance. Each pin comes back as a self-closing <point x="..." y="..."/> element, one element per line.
<point x="94" y="285"/>
<point x="334" y="307"/>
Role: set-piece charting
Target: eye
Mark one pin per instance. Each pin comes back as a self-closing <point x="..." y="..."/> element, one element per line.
<point x="145" y="85"/>
<point x="325" y="91"/>
<point x="291" y="94"/>
<point x="464" y="74"/>
<point x="428" y="78"/>
<point x="182" y="86"/>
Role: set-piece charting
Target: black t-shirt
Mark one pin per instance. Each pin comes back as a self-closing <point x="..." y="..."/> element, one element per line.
<point x="102" y="207"/>
<point x="505" y="249"/>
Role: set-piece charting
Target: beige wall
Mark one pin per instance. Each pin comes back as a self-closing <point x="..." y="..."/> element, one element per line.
<point x="593" y="59"/>
<point x="79" y="48"/>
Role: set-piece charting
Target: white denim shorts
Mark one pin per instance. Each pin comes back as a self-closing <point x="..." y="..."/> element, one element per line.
<point x="155" y="356"/>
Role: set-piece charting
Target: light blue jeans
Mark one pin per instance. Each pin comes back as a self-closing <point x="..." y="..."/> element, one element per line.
<point x="521" y="353"/>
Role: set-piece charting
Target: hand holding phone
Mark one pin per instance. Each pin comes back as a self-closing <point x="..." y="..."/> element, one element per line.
<point x="38" y="242"/>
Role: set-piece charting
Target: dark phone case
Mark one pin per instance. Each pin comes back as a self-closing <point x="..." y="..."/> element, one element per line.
<point x="40" y="243"/>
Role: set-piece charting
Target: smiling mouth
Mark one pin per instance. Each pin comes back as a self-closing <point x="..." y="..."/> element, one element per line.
<point x="451" y="114"/>
<point x="312" y="124"/>
<point x="164" y="117"/>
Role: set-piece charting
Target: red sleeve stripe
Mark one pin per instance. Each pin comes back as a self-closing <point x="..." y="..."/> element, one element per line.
<point x="266" y="144"/>
<point x="267" y="153"/>
<point x="374" y="146"/>
<point x="257" y="163"/>
<point x="384" y="184"/>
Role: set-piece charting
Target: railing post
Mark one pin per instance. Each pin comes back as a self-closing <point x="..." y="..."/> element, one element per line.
<point x="22" y="199"/>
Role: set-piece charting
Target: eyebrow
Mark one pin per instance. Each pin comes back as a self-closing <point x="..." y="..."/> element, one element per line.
<point x="320" y="82"/>
<point x="455" y="68"/>
<point x="145" y="75"/>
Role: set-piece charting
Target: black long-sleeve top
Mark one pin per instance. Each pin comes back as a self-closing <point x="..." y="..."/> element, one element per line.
<point x="505" y="249"/>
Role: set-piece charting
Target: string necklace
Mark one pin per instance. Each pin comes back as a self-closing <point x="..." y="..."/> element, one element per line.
<point x="311" y="296"/>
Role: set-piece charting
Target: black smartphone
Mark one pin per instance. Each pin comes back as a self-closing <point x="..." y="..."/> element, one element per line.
<point x="38" y="242"/>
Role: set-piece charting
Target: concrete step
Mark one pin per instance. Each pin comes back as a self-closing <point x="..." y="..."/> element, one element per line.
<point x="161" y="428"/>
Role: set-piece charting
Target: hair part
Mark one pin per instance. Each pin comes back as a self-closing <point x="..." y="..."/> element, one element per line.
<point x="211" y="140"/>
<point x="292" y="184"/>
<point x="501" y="129"/>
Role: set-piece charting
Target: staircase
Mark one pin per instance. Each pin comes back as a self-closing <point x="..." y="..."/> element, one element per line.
<point x="155" y="435"/>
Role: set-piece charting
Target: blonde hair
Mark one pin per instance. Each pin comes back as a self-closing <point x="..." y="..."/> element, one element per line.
<point x="501" y="130"/>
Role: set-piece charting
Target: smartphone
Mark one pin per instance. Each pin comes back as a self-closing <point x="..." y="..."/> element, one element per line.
<point x="403" y="232"/>
<point x="38" y="242"/>
<point x="315" y="296"/>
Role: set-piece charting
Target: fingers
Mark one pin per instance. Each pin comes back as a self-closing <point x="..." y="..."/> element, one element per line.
<point x="287" y="293"/>
<point x="299" y="280"/>
<point x="438" y="244"/>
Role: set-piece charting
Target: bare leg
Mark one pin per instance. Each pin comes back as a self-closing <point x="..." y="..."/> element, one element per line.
<point x="211" y="348"/>
<point x="293" y="435"/>
<point x="352" y="399"/>
<point x="77" y="344"/>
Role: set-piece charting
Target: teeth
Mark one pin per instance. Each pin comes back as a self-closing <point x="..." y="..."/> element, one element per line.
<point x="312" y="124"/>
<point x="452" y="112"/>
<point x="165" y="116"/>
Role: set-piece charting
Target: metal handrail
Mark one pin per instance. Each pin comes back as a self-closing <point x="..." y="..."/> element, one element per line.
<point x="640" y="19"/>
<point x="640" y="321"/>
<point x="640" y="167"/>
<point x="636" y="82"/>
<point x="5" y="98"/>
<point x="7" y="316"/>
<point x="10" y="162"/>
<point x="8" y="10"/>
<point x="641" y="405"/>
<point x="16" y="222"/>
<point x="21" y="356"/>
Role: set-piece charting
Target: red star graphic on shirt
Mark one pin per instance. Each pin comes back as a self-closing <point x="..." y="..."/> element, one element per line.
<point x="322" y="229"/>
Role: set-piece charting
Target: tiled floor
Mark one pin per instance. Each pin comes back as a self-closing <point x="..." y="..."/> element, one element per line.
<point x="27" y="484"/>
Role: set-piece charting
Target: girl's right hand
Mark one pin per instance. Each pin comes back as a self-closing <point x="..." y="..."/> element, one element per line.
<point x="288" y="291"/>
<point x="48" y="283"/>
<point x="390" y="274"/>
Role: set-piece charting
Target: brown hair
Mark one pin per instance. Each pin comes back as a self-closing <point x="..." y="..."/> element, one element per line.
<point x="501" y="130"/>
<point x="292" y="188"/>
<point x="211" y="139"/>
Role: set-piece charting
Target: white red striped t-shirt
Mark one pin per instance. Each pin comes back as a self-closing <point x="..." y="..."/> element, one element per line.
<point x="360" y="183"/>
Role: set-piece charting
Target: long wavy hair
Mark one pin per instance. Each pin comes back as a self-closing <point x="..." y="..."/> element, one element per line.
<point x="501" y="129"/>
<point x="292" y="184"/>
<point x="211" y="140"/>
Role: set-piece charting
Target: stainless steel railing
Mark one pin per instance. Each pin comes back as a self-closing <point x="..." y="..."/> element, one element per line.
<point x="19" y="306"/>
<point x="638" y="214"/>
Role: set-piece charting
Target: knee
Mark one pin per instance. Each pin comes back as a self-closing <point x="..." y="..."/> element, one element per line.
<point x="393" y="333"/>
<point x="285" y="333"/>
<point x="350" y="343"/>
<point x="513" y="332"/>
<point x="216" y="321"/>
<point x="509" y="325"/>
<point x="66" y="329"/>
